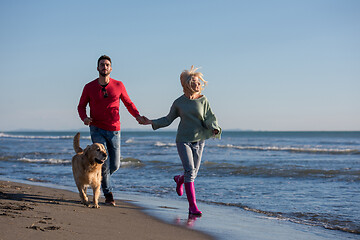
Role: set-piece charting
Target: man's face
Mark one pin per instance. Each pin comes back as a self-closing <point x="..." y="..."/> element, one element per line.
<point x="104" y="67"/>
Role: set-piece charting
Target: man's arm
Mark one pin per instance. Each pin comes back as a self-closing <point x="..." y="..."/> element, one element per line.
<point x="130" y="106"/>
<point x="84" y="100"/>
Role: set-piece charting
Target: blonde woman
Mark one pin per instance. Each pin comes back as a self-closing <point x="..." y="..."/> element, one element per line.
<point x="197" y="123"/>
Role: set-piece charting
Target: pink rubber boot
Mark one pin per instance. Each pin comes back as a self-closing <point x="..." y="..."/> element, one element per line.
<point x="179" y="179"/>
<point x="190" y="193"/>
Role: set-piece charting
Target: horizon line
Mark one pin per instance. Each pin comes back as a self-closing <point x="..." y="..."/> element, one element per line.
<point x="172" y="130"/>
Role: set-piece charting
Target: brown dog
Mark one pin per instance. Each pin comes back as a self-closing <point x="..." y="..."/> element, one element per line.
<point x="86" y="166"/>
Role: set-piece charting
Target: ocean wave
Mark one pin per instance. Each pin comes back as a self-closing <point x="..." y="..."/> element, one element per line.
<point x="288" y="171"/>
<point x="161" y="144"/>
<point x="45" y="161"/>
<point x="293" y="149"/>
<point x="131" y="162"/>
<point x="327" y="221"/>
<point x="37" y="180"/>
<point x="5" y="135"/>
<point x="130" y="140"/>
<point x="125" y="162"/>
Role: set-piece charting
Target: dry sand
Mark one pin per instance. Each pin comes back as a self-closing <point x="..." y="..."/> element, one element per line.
<point x="35" y="212"/>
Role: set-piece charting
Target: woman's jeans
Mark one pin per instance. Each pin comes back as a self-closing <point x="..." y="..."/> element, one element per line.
<point x="111" y="140"/>
<point x="190" y="155"/>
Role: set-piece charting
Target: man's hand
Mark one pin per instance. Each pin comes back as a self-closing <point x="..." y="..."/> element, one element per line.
<point x="147" y="121"/>
<point x="143" y="120"/>
<point x="87" y="121"/>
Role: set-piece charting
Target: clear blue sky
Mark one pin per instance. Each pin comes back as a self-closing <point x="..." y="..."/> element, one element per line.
<point x="270" y="65"/>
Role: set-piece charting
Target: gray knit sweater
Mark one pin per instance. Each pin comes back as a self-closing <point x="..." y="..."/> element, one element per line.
<point x="197" y="121"/>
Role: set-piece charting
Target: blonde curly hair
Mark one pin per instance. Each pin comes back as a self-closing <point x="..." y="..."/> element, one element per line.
<point x="187" y="76"/>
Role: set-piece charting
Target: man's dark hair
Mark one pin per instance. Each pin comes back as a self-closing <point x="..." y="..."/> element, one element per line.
<point x="104" y="57"/>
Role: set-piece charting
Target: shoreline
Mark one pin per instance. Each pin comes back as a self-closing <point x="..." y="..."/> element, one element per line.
<point x="55" y="212"/>
<point x="37" y="212"/>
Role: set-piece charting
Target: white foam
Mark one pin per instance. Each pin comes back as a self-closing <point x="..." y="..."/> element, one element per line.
<point x="5" y="135"/>
<point x="46" y="161"/>
<point x="161" y="144"/>
<point x="130" y="140"/>
<point x="293" y="149"/>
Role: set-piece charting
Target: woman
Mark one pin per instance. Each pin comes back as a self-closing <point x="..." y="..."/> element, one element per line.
<point x="197" y="123"/>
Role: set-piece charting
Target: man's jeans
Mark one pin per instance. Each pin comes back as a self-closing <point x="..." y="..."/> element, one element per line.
<point x="190" y="155"/>
<point x="111" y="140"/>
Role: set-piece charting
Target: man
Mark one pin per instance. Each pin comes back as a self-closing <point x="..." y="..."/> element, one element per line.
<point x="103" y="96"/>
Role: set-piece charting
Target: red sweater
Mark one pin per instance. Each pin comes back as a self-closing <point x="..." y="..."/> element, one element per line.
<point x="105" y="111"/>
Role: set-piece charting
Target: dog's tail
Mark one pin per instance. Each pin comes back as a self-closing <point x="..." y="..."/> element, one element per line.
<point x="76" y="143"/>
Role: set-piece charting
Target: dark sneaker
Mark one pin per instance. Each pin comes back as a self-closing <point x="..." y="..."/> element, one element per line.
<point x="109" y="199"/>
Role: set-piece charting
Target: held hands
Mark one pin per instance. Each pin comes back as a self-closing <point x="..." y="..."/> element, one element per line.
<point x="143" y="120"/>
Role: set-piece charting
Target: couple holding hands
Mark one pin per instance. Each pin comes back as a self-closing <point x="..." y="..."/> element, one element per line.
<point x="197" y="123"/>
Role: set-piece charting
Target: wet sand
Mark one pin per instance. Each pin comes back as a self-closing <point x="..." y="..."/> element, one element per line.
<point x="35" y="212"/>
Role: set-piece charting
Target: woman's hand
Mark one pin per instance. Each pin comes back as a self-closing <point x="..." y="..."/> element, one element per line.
<point x="143" y="120"/>
<point x="147" y="121"/>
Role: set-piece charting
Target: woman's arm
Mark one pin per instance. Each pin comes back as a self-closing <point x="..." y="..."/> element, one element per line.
<point x="167" y="120"/>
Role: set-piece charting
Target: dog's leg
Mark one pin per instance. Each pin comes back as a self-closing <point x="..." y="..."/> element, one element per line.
<point x="83" y="196"/>
<point x="96" y="193"/>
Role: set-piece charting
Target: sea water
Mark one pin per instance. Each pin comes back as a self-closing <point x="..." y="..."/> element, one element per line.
<point x="307" y="178"/>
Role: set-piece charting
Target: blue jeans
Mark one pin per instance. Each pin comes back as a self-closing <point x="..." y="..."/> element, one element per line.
<point x="190" y="155"/>
<point x="111" y="140"/>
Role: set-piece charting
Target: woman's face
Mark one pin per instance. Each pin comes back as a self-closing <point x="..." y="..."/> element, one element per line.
<point x="195" y="84"/>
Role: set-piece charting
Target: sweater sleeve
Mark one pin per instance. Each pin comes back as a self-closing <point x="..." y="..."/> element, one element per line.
<point x="130" y="106"/>
<point x="167" y="120"/>
<point x="210" y="120"/>
<point x="84" y="100"/>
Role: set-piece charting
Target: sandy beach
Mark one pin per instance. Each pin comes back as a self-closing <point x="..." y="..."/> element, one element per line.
<point x="35" y="212"/>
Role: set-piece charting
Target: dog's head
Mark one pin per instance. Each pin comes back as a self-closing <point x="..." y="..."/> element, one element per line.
<point x="96" y="153"/>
